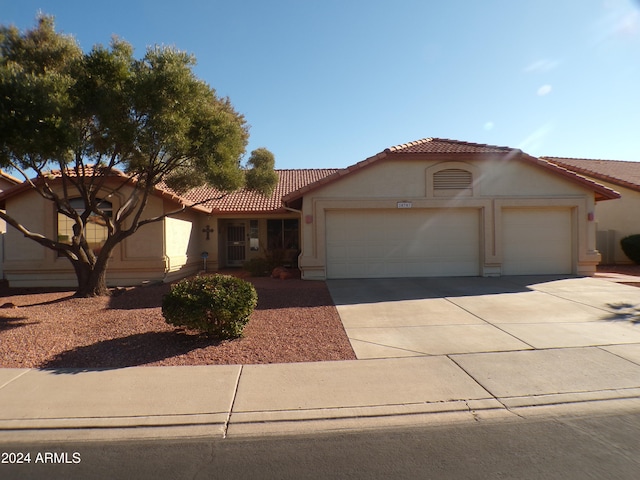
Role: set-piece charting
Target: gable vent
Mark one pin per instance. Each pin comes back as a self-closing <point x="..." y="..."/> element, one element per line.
<point x="452" y="179"/>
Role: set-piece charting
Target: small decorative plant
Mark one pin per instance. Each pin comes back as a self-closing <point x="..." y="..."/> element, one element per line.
<point x="258" y="267"/>
<point x="631" y="247"/>
<point x="219" y="305"/>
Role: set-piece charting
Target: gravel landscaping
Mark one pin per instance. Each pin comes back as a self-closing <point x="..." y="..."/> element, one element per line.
<point x="611" y="271"/>
<point x="295" y="321"/>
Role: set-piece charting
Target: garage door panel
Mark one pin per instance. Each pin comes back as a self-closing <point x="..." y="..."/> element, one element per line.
<point x="537" y="241"/>
<point x="402" y="243"/>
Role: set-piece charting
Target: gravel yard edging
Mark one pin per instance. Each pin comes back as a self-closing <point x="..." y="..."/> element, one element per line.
<point x="295" y="321"/>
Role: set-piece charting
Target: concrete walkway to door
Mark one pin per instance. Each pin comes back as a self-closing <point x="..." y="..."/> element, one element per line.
<point x="387" y="318"/>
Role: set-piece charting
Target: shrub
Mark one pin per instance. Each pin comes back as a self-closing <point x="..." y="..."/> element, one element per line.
<point x="263" y="266"/>
<point x="631" y="247"/>
<point x="219" y="305"/>
<point x="258" y="267"/>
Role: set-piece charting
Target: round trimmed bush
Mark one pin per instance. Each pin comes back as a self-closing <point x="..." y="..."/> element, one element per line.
<point x="631" y="247"/>
<point x="219" y="305"/>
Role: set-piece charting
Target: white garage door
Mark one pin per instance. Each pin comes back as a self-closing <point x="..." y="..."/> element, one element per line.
<point x="402" y="243"/>
<point x="537" y="241"/>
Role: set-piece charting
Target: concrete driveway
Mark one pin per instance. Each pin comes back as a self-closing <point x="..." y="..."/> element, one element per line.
<point x="386" y="318"/>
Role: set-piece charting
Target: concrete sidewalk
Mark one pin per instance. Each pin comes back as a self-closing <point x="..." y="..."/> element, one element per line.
<point x="261" y="399"/>
<point x="519" y="381"/>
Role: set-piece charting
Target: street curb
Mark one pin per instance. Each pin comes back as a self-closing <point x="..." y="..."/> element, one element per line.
<point x="301" y="422"/>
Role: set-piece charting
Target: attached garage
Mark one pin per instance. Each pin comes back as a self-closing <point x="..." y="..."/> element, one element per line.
<point x="439" y="207"/>
<point x="537" y="241"/>
<point x="402" y="243"/>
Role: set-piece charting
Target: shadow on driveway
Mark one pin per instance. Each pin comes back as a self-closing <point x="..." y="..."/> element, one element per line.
<point x="625" y="312"/>
<point x="358" y="291"/>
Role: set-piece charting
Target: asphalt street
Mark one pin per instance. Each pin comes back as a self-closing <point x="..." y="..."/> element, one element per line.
<point x="587" y="447"/>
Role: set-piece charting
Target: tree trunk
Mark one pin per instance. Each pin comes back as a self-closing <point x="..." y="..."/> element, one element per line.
<point x="92" y="279"/>
<point x="95" y="284"/>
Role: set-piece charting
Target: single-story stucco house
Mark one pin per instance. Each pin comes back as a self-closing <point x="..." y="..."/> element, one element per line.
<point x="434" y="207"/>
<point x="614" y="220"/>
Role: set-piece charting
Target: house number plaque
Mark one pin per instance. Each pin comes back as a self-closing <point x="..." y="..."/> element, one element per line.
<point x="405" y="204"/>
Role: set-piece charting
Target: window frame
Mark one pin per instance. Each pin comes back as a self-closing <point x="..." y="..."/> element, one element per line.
<point x="77" y="203"/>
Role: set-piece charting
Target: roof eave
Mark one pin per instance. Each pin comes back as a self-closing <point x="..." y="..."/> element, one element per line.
<point x="26" y="186"/>
<point x="10" y="178"/>
<point x="600" y="191"/>
<point x="289" y="199"/>
<point x="270" y="211"/>
<point x="590" y="173"/>
<point x="167" y="195"/>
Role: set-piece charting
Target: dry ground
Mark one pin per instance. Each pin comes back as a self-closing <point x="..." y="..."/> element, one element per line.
<point x="632" y="270"/>
<point x="295" y="321"/>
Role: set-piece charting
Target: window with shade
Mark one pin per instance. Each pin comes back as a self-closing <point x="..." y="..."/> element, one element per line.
<point x="283" y="234"/>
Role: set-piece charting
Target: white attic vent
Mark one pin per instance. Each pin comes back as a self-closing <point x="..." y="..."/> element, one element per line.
<point x="452" y="179"/>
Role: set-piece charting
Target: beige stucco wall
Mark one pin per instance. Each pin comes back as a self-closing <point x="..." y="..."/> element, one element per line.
<point x="138" y="259"/>
<point x="494" y="177"/>
<point x="498" y="184"/>
<point x="30" y="209"/>
<point x="183" y="239"/>
<point x="4" y="185"/>
<point x="615" y="220"/>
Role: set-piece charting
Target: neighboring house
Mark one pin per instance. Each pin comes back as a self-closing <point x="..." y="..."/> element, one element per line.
<point x="615" y="220"/>
<point x="6" y="182"/>
<point x="433" y="207"/>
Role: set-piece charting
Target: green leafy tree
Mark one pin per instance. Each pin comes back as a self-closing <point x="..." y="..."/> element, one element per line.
<point x="93" y="125"/>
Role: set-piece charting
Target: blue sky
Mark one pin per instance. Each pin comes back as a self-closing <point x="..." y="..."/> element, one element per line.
<point x="327" y="83"/>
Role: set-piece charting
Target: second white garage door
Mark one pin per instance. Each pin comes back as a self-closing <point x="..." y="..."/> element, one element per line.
<point x="537" y="241"/>
<point x="402" y="243"/>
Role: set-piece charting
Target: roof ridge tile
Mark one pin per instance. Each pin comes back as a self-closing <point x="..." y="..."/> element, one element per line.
<point x="457" y="146"/>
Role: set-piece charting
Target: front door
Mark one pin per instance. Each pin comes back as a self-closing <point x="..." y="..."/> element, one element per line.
<point x="236" y="244"/>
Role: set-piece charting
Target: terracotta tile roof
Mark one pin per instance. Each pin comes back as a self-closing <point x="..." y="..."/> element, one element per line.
<point x="618" y="172"/>
<point x="53" y="175"/>
<point x="445" y="145"/>
<point x="243" y="201"/>
<point x="428" y="146"/>
<point x="88" y="172"/>
<point x="235" y="202"/>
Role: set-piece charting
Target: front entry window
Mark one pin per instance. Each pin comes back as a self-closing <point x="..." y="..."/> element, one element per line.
<point x="254" y="239"/>
<point x="283" y="234"/>
<point x="95" y="229"/>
